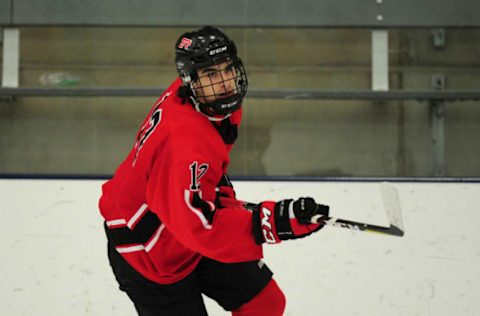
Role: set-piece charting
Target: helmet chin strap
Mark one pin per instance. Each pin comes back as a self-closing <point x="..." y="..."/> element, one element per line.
<point x="211" y="118"/>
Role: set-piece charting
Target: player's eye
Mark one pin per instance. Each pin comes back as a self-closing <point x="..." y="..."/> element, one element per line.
<point x="212" y="74"/>
<point x="229" y="68"/>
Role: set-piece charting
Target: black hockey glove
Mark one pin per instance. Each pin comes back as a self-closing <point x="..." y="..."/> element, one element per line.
<point x="286" y="219"/>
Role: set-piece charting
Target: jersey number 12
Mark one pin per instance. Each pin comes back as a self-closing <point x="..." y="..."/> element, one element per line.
<point x="197" y="172"/>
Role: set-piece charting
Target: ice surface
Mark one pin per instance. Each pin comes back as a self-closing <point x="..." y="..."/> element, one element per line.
<point x="54" y="251"/>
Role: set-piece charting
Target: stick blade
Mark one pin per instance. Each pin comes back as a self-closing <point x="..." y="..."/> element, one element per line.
<point x="391" y="203"/>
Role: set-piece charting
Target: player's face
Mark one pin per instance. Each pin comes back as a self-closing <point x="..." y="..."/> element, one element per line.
<point x="216" y="82"/>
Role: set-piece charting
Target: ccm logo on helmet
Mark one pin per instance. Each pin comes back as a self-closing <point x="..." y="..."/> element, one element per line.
<point x="218" y="50"/>
<point x="185" y="43"/>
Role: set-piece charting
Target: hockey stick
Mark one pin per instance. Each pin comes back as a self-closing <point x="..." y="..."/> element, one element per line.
<point x="391" y="203"/>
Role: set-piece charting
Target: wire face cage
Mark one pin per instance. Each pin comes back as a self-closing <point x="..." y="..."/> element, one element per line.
<point x="220" y="81"/>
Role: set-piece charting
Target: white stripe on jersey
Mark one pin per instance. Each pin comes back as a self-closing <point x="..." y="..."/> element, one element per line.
<point x="147" y="247"/>
<point x="153" y="241"/>
<point x="197" y="212"/>
<point x="130" y="248"/>
<point x="131" y="223"/>
<point x="116" y="222"/>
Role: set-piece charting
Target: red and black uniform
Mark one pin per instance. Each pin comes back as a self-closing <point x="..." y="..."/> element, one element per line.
<point x="161" y="207"/>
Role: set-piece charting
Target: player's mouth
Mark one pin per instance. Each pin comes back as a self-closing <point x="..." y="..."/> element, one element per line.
<point x="227" y="94"/>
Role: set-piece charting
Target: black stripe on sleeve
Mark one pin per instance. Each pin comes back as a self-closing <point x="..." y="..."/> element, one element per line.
<point x="142" y="232"/>
<point x="197" y="202"/>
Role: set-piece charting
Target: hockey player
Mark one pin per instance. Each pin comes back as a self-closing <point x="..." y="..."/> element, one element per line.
<point x="175" y="228"/>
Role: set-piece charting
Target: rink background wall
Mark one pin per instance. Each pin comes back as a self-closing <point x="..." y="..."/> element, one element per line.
<point x="90" y="135"/>
<point x="54" y="260"/>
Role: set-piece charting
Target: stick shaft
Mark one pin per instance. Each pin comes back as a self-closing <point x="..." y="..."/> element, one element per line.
<point x="358" y="226"/>
<point x="391" y="204"/>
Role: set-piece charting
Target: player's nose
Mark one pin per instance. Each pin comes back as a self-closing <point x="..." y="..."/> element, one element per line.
<point x="229" y="83"/>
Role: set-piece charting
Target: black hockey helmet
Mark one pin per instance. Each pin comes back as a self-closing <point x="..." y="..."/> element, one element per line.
<point x="201" y="49"/>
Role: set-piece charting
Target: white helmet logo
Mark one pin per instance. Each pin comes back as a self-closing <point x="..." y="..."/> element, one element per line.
<point x="218" y="50"/>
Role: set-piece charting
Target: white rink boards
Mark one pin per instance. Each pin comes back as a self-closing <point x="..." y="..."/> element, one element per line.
<point x="54" y="261"/>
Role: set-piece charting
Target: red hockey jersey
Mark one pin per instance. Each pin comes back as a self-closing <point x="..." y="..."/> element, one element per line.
<point x="159" y="207"/>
